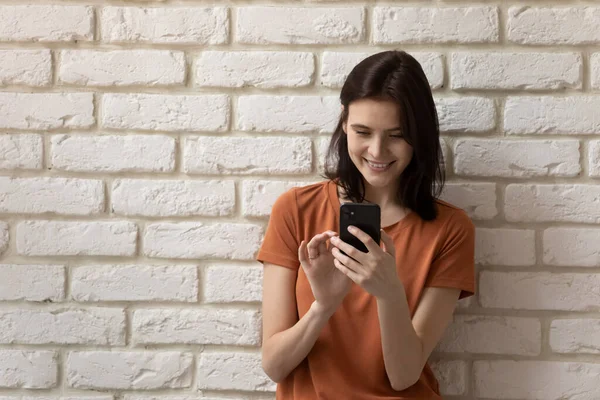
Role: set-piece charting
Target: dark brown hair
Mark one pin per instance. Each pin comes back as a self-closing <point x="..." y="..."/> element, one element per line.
<point x="394" y="76"/>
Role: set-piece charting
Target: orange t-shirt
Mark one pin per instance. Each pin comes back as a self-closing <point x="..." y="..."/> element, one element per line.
<point x="346" y="361"/>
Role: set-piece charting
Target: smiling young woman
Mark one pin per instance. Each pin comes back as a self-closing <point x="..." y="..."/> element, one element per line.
<point x="339" y="323"/>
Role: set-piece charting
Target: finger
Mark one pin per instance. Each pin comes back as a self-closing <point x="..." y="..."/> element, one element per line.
<point x="313" y="247"/>
<point x="302" y="252"/>
<point x="325" y="236"/>
<point x="318" y="244"/>
<point x="388" y="243"/>
<point x="365" y="238"/>
<point x="323" y="247"/>
<point x="347" y="261"/>
<point x="349" y="249"/>
<point x="346" y="271"/>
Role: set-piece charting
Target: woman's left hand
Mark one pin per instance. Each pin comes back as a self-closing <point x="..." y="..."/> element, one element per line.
<point x="374" y="271"/>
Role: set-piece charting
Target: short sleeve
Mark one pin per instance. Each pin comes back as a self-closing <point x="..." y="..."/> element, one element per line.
<point x="280" y="243"/>
<point x="454" y="265"/>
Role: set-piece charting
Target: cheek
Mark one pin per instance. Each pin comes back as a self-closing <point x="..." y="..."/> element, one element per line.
<point x="355" y="147"/>
<point x="405" y="153"/>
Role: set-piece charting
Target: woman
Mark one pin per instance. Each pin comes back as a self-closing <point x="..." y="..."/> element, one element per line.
<point x="336" y="327"/>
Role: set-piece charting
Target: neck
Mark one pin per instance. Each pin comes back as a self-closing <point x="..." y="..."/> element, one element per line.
<point x="383" y="197"/>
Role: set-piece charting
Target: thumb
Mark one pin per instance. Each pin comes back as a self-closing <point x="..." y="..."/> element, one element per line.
<point x="388" y="243"/>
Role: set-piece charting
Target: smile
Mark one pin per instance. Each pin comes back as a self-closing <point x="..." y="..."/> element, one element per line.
<point x="377" y="166"/>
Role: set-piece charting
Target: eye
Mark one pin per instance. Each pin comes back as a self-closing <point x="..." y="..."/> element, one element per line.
<point x="397" y="136"/>
<point x="362" y="133"/>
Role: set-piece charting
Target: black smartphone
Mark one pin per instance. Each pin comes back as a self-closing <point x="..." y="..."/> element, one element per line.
<point x="366" y="217"/>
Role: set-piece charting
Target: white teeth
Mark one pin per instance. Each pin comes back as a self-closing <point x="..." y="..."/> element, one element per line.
<point x="377" y="165"/>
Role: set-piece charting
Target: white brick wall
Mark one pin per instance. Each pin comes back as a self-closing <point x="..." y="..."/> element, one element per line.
<point x="121" y="67"/>
<point x="143" y="143"/>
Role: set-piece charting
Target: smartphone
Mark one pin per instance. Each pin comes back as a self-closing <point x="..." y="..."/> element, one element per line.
<point x="366" y="217"/>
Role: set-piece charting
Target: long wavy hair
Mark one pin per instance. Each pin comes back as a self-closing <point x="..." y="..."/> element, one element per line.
<point x="393" y="76"/>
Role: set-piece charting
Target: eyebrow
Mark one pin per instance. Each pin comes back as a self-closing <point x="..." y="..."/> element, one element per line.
<point x="366" y="127"/>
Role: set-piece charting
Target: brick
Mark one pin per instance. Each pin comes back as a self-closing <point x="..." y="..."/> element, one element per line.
<point x="451" y="375"/>
<point x="46" y="110"/>
<point x="576" y="247"/>
<point x="294" y="114"/>
<point x="25" y="67"/>
<point x="539" y="291"/>
<point x="245" y="155"/>
<point x="165" y="112"/>
<point x="553" y="25"/>
<point x="4" y="236"/>
<point x="232" y="283"/>
<point x="21" y="151"/>
<point x="135" y="283"/>
<point x="45" y="23"/>
<point x="51" y="195"/>
<point x="548" y="380"/>
<point x="189" y="397"/>
<point x="32" y="282"/>
<point x="76" y="397"/>
<point x="321" y="146"/>
<point x="160" y="198"/>
<point x="466" y="303"/>
<point x="569" y="336"/>
<point x="548" y="203"/>
<point x="524" y="71"/>
<point x="129" y="370"/>
<point x="492" y="335"/>
<point x="172" y="397"/>
<point x="76" y="238"/>
<point x="510" y="247"/>
<point x="337" y="65"/>
<point x="232" y="371"/>
<point x="594" y="158"/>
<point x="23" y="369"/>
<point x="122" y="67"/>
<point x="263" y="69"/>
<point x="113" y="153"/>
<point x="300" y="25"/>
<point x="177" y="25"/>
<point x="477" y="199"/>
<point x="551" y="115"/>
<point x="466" y="114"/>
<point x="199" y="326"/>
<point x="445" y="154"/>
<point x="595" y="70"/>
<point x="189" y="240"/>
<point x="259" y="196"/>
<point x="435" y="25"/>
<point x="99" y="326"/>
<point x="516" y="158"/>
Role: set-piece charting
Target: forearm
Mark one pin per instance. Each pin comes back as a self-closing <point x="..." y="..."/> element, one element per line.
<point x="285" y="350"/>
<point x="402" y="348"/>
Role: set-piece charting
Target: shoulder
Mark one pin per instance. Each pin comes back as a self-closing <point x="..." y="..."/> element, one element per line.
<point x="308" y="194"/>
<point x="297" y="194"/>
<point x="310" y="189"/>
<point x="453" y="219"/>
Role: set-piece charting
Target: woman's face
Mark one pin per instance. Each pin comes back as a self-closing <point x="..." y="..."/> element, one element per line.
<point x="375" y="141"/>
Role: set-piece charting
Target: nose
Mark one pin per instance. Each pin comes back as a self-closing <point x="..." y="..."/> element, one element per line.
<point x="377" y="147"/>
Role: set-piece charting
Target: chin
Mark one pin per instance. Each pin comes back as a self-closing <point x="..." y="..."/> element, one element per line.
<point x="379" y="181"/>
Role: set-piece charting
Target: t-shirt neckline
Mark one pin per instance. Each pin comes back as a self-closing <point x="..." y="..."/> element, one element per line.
<point x="335" y="203"/>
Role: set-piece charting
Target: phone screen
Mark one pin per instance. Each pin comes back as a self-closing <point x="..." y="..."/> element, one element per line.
<point x="366" y="217"/>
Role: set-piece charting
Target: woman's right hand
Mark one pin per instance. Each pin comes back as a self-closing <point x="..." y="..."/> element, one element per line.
<point x="328" y="284"/>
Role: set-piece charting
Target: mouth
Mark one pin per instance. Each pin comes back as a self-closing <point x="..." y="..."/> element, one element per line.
<point x="378" y="166"/>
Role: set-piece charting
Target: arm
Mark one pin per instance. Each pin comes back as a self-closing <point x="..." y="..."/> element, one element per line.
<point x="286" y="340"/>
<point x="408" y="344"/>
